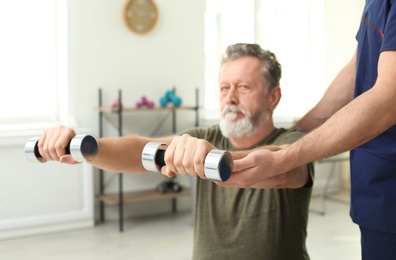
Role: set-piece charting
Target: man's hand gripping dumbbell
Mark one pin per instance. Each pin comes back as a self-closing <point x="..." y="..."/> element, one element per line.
<point x="69" y="149"/>
<point x="217" y="165"/>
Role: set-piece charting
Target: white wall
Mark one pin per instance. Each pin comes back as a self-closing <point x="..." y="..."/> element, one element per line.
<point x="342" y="20"/>
<point x="41" y="198"/>
<point x="105" y="53"/>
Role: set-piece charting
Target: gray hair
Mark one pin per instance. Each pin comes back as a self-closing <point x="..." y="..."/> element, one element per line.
<point x="271" y="71"/>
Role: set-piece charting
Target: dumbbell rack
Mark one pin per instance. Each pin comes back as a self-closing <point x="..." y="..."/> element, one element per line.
<point x="121" y="198"/>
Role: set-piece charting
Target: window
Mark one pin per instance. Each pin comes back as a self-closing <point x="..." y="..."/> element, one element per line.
<point x="226" y="22"/>
<point x="33" y="64"/>
<point x="291" y="29"/>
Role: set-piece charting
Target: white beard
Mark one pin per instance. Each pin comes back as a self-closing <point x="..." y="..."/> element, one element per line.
<point x="246" y="126"/>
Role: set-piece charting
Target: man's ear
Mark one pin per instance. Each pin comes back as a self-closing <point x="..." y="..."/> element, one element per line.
<point x="275" y="97"/>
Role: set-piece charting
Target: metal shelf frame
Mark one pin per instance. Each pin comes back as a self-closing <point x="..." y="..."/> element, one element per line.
<point x="121" y="198"/>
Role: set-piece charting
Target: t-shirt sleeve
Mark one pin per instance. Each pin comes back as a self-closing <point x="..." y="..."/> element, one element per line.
<point x="389" y="41"/>
<point x="289" y="137"/>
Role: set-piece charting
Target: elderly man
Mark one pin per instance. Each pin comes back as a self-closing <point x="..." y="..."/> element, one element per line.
<point x="240" y="218"/>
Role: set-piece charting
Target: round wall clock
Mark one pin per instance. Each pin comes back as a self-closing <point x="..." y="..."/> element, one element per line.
<point x="140" y="15"/>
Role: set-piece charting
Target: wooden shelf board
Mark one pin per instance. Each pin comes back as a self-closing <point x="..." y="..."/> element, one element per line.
<point x="142" y="196"/>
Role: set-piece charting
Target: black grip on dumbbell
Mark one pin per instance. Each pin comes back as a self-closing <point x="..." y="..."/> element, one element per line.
<point x="159" y="158"/>
<point x="217" y="166"/>
<point x="81" y="147"/>
<point x="36" y="151"/>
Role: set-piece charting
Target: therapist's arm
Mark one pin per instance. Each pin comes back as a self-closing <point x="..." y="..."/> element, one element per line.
<point x="359" y="121"/>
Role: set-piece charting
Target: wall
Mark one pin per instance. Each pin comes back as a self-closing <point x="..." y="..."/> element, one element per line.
<point x="41" y="198"/>
<point x="105" y="53"/>
<point x="342" y="20"/>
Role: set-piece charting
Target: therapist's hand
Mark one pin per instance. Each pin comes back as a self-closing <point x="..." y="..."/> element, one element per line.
<point x="254" y="171"/>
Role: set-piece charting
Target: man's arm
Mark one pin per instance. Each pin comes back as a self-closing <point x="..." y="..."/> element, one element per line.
<point x="118" y="154"/>
<point x="361" y="120"/>
<point x="123" y="154"/>
<point x="337" y="95"/>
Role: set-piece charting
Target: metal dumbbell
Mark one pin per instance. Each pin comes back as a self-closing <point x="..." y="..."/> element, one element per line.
<point x="81" y="147"/>
<point x="217" y="166"/>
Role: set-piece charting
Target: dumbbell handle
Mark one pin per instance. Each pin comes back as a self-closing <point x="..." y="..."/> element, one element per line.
<point x="217" y="166"/>
<point x="81" y="148"/>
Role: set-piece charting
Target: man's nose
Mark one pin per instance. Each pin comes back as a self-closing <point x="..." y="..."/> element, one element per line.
<point x="232" y="97"/>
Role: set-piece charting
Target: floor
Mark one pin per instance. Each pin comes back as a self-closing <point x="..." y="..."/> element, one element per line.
<point x="330" y="236"/>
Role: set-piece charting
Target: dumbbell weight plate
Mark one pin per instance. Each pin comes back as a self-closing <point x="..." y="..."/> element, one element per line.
<point x="153" y="156"/>
<point x="83" y="148"/>
<point x="31" y="150"/>
<point x="218" y="165"/>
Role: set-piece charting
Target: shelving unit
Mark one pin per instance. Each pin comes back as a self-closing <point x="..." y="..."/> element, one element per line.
<point x="121" y="198"/>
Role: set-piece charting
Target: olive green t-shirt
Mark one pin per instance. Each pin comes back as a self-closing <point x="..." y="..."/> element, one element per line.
<point x="249" y="224"/>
